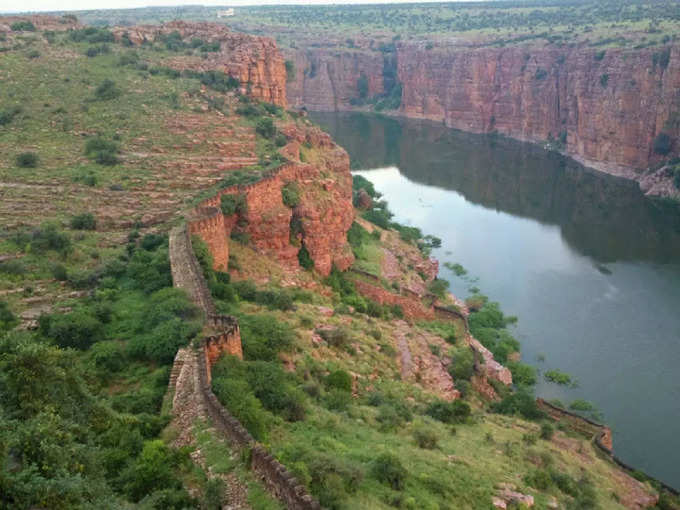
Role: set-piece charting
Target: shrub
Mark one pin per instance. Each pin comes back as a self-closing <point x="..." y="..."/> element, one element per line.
<point x="107" y="90"/>
<point x="521" y="402"/>
<point x="362" y="86"/>
<point x="290" y="70"/>
<point x="462" y="365"/>
<point x="239" y="399"/>
<point x="85" y="221"/>
<point x="22" y="26"/>
<point x="557" y="377"/>
<point x="522" y="374"/>
<point x="547" y="431"/>
<point x="232" y="204"/>
<point x="336" y="337"/>
<point x="338" y="400"/>
<point x="102" y="151"/>
<point x="108" y="356"/>
<point x="456" y="411"/>
<point x="425" y="437"/>
<point x="46" y="237"/>
<point x="59" y="272"/>
<point x="152" y="470"/>
<point x="265" y="127"/>
<point x="304" y="259"/>
<point x="604" y="79"/>
<point x="600" y="55"/>
<point x="662" y="144"/>
<point x="27" y="160"/>
<point x="290" y="194"/>
<point x="14" y="267"/>
<point x="77" y="329"/>
<point x="7" y="115"/>
<point x="7" y="318"/>
<point x="387" y="469"/>
<point x="264" y="336"/>
<point x="339" y="379"/>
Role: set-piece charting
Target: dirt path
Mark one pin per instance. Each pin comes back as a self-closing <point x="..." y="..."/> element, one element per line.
<point x="405" y="358"/>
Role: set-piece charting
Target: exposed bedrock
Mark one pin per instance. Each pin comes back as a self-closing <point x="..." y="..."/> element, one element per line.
<point x="608" y="107"/>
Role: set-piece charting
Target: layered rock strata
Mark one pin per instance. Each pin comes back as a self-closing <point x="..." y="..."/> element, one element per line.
<point x="604" y="108"/>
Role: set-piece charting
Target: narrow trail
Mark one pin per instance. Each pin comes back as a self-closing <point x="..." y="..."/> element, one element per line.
<point x="405" y="358"/>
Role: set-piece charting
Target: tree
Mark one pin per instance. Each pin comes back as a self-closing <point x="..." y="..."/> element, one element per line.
<point x="265" y="127"/>
<point x="107" y="90"/>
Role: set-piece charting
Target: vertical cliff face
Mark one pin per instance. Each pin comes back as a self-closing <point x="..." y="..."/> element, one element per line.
<point x="327" y="80"/>
<point x="610" y="106"/>
<point x="254" y="61"/>
<point x="605" y="109"/>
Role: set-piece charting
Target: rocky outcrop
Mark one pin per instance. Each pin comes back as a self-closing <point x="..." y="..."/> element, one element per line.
<point x="319" y="221"/>
<point x="603" y="108"/>
<point x="254" y="61"/>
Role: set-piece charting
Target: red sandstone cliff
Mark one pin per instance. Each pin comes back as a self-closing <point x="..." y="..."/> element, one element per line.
<point x="254" y="61"/>
<point x="610" y="108"/>
<point x="323" y="215"/>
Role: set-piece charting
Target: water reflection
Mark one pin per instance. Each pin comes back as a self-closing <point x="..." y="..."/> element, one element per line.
<point x="600" y="216"/>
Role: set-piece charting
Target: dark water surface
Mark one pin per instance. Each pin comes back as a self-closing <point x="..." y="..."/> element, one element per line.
<point x="590" y="267"/>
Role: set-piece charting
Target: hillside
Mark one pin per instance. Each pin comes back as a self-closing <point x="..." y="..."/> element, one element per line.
<point x="200" y="307"/>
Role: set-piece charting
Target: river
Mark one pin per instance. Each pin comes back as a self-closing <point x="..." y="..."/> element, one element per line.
<point x="588" y="264"/>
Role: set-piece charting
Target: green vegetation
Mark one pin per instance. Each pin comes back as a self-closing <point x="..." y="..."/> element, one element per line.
<point x="85" y="221"/>
<point x="558" y="377"/>
<point x="22" y="26"/>
<point x="101" y="151"/>
<point x="290" y="193"/>
<point x="27" y="160"/>
<point x="80" y="408"/>
<point x="233" y="204"/>
<point x="604" y="80"/>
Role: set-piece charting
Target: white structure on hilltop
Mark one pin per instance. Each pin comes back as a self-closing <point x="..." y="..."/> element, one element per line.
<point x="225" y="13"/>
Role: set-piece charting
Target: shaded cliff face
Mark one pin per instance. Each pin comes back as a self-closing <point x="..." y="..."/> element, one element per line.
<point x="609" y="107"/>
<point x="254" y="61"/>
<point x="327" y="80"/>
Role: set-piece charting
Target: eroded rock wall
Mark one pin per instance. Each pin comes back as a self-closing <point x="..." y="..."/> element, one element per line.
<point x="324" y="213"/>
<point x="610" y="106"/>
<point x="327" y="80"/>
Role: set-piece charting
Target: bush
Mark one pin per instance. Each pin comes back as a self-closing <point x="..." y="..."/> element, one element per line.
<point x="27" y="160"/>
<point x="547" y="431"/>
<point x="290" y="194"/>
<point x="522" y="374"/>
<point x="265" y="127"/>
<point x="101" y="151"/>
<point x="304" y="259"/>
<point x="387" y="469"/>
<point x="107" y="90"/>
<point x="46" y="237"/>
<point x="425" y="437"/>
<point x="541" y="74"/>
<point x="85" y="221"/>
<point x="264" y="336"/>
<point x="558" y="377"/>
<point x="339" y="379"/>
<point x="604" y="80"/>
<point x="232" y="204"/>
<point x="7" y="318"/>
<point x="108" y="356"/>
<point x="521" y="402"/>
<point x="7" y="115"/>
<point x="336" y="337"/>
<point x="662" y="144"/>
<point x="290" y="70"/>
<point x="462" y="365"/>
<point x="77" y="329"/>
<point x="456" y="411"/>
<point x="600" y="55"/>
<point x="22" y="26"/>
<point x="338" y="400"/>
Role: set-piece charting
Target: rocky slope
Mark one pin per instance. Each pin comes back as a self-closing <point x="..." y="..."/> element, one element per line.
<point x="254" y="61"/>
<point x="606" y="106"/>
<point x="318" y="222"/>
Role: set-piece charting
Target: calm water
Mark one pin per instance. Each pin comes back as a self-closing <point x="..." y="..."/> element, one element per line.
<point x="590" y="267"/>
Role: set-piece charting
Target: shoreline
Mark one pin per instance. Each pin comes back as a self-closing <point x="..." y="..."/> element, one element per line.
<point x="628" y="174"/>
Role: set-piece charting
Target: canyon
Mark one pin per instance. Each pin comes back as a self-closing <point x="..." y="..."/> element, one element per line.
<point x="604" y="108"/>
